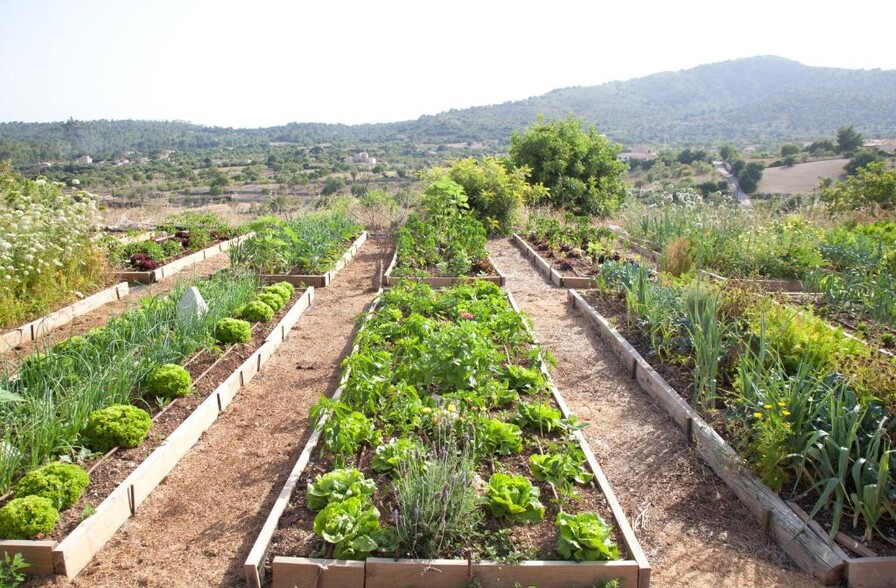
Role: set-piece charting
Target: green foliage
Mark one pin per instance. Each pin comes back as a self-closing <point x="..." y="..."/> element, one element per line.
<point x="28" y="517"/>
<point x="447" y="240"/>
<point x="848" y="140"/>
<point x="46" y="252"/>
<point x="169" y="381"/>
<point x="540" y="417"/>
<point x="351" y="526"/>
<point x="585" y="537"/>
<point x="389" y="456"/>
<point x="344" y="431"/>
<point x="231" y="330"/>
<point x="10" y="568"/>
<point x="580" y="169"/>
<point x="338" y="485"/>
<point x="496" y="194"/>
<point x="436" y="503"/>
<point x="62" y="483"/>
<point x="118" y="425"/>
<point x="872" y="187"/>
<point x="575" y="236"/>
<point x="257" y="311"/>
<point x="563" y="466"/>
<point x="862" y="159"/>
<point x="494" y="437"/>
<point x="514" y="498"/>
<point x="273" y="300"/>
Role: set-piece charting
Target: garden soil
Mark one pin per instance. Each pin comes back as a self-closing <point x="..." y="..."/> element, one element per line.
<point x="197" y="527"/>
<point x="693" y="530"/>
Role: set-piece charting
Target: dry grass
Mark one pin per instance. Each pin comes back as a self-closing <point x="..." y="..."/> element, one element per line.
<point x="801" y="178"/>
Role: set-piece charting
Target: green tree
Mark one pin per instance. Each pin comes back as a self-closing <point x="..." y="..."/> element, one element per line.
<point x="861" y="159"/>
<point x="728" y="152"/>
<point x="332" y="185"/>
<point x="495" y="193"/>
<point x="790" y="149"/>
<point x="848" y="140"/>
<point x="750" y="177"/>
<point x="871" y="187"/>
<point x="581" y="169"/>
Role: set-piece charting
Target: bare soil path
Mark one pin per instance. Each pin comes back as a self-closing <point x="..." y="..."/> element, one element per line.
<point x="693" y="529"/>
<point x="198" y="526"/>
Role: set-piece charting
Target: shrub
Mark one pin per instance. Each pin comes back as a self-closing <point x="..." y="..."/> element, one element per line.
<point x="25" y="518"/>
<point x="119" y="425"/>
<point x="257" y="312"/>
<point x="271" y="299"/>
<point x="281" y="296"/>
<point x="169" y="381"/>
<point x="285" y="287"/>
<point x="62" y="483"/>
<point x="233" y="330"/>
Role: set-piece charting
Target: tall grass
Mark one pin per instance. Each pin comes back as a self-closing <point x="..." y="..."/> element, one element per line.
<point x="52" y="394"/>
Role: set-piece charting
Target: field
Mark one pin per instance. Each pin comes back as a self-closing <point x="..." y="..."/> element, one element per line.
<point x="802" y="178"/>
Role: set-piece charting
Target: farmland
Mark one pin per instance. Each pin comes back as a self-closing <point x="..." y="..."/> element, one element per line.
<point x="471" y="413"/>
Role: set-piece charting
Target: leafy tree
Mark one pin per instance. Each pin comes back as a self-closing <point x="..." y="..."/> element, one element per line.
<point x="728" y="152"/>
<point x="872" y="187"/>
<point x="861" y="159"/>
<point x="750" y="177"/>
<point x="332" y="185"/>
<point x="820" y="147"/>
<point x="495" y="193"/>
<point x="848" y="140"/>
<point x="790" y="150"/>
<point x="581" y="169"/>
<point x="688" y="156"/>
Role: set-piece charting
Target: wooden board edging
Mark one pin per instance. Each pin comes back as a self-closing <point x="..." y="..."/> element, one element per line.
<point x="547" y="270"/>
<point x="810" y="552"/>
<point x="178" y="265"/>
<point x="38" y="554"/>
<point x="74" y="553"/>
<point x="31" y="331"/>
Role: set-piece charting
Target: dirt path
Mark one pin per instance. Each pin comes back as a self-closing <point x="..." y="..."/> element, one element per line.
<point x="101" y="315"/>
<point x="198" y="526"/>
<point x="693" y="529"/>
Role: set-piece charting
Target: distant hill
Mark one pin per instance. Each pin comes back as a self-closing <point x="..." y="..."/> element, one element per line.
<point x="756" y="100"/>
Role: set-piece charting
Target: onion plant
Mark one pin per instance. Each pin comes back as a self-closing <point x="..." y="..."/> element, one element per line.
<point x="55" y="391"/>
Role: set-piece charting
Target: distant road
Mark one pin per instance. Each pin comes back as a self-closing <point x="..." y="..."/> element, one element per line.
<point x="722" y="168"/>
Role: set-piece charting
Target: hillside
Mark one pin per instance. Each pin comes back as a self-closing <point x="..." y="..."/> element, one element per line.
<point x="756" y="100"/>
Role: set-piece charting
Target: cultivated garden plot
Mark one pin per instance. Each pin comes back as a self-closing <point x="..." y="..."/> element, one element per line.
<point x="308" y="250"/>
<point x="782" y="406"/>
<point x="81" y="401"/>
<point x="438" y="395"/>
<point x="443" y="245"/>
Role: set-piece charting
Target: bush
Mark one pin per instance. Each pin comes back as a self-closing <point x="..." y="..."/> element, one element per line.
<point x="257" y="312"/>
<point x="280" y="293"/>
<point x="25" y="518"/>
<point x="272" y="299"/>
<point x="62" y="483"/>
<point x="286" y="287"/>
<point x="119" y="425"/>
<point x="233" y="330"/>
<point x="169" y="381"/>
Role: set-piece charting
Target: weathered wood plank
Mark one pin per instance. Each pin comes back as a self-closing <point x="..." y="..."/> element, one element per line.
<point x="876" y="572"/>
<point x="300" y="572"/>
<point x="38" y="554"/>
<point x="76" y="550"/>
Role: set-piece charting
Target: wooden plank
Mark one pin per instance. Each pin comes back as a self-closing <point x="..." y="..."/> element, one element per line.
<point x="136" y="277"/>
<point x="663" y="394"/>
<point x="620" y="346"/>
<point x="76" y="550"/>
<point x="38" y="554"/>
<point x="228" y="389"/>
<point x="318" y="281"/>
<point x="66" y="315"/>
<point x="577" y="282"/>
<point x="300" y="572"/>
<point x="14" y="338"/>
<point x="875" y="572"/>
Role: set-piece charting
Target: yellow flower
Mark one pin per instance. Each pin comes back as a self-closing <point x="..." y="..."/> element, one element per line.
<point x="758" y="415"/>
<point x="426" y="410"/>
<point x="451" y="407"/>
<point x="782" y="404"/>
<point x="785" y="412"/>
<point x="766" y="406"/>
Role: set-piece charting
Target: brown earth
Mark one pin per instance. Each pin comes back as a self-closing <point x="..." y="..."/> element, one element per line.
<point x="693" y="530"/>
<point x="801" y="178"/>
<point x="198" y="526"/>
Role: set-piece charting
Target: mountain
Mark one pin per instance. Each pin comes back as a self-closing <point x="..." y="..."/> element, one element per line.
<point x="765" y="100"/>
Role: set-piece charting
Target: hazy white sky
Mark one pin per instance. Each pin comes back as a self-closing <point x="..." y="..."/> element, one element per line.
<point x="264" y="62"/>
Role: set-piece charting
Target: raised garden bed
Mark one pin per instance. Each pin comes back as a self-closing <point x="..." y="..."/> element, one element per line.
<point x="389" y="280"/>
<point x="31" y="331"/>
<point x="180" y="264"/>
<point x="806" y="543"/>
<point x="70" y="555"/>
<point x="631" y="569"/>
<point x="320" y="280"/>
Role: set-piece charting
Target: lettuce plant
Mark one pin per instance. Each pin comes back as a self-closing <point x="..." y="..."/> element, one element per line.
<point x="350" y="527"/>
<point x="585" y="537"/>
<point x="388" y="456"/>
<point x="562" y="467"/>
<point x="514" y="498"/>
<point x="338" y="485"/>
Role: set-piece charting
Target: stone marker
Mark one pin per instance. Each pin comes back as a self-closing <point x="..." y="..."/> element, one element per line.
<point x="191" y="305"/>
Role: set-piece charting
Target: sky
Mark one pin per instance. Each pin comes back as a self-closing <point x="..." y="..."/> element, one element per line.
<point x="261" y="63"/>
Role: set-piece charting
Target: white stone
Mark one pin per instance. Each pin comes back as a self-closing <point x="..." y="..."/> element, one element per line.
<point x="191" y="305"/>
